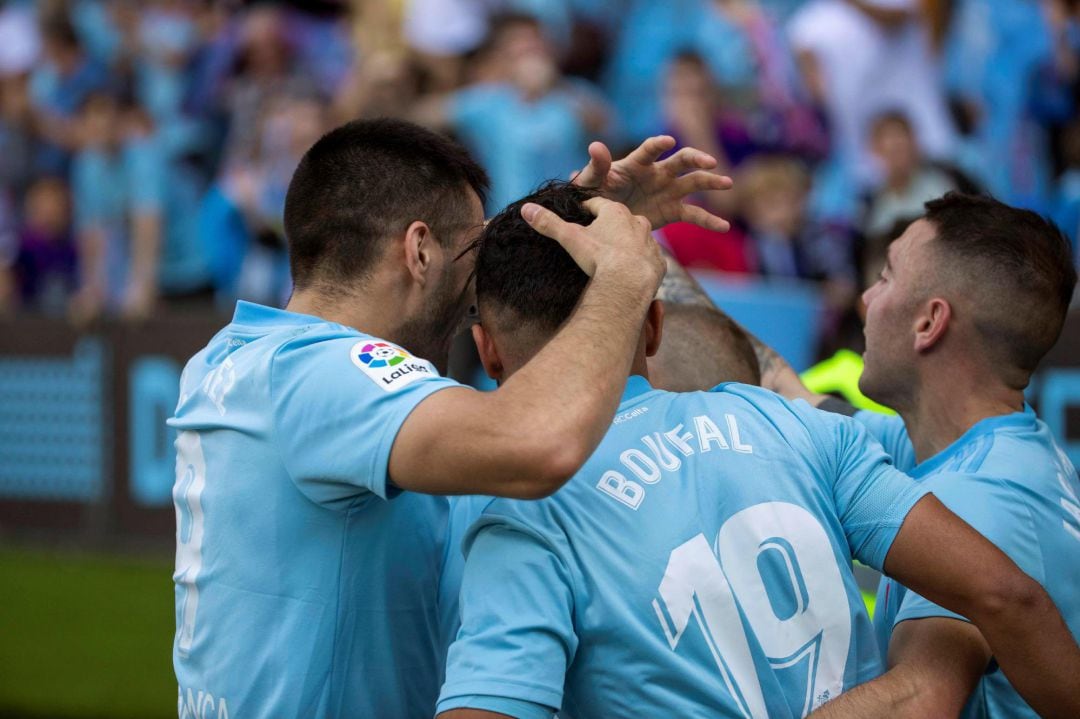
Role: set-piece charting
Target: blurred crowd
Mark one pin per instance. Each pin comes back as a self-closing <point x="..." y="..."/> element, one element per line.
<point x="146" y="146"/>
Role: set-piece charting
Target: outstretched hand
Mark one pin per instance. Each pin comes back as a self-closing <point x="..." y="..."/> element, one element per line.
<point x="657" y="190"/>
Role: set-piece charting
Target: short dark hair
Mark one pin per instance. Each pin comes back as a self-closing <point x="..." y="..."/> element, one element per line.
<point x="367" y="180"/>
<point x="1019" y="264"/>
<point x="701" y="348"/>
<point x="520" y="270"/>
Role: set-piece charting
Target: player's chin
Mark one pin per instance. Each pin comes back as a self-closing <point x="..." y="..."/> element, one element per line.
<point x="871" y="388"/>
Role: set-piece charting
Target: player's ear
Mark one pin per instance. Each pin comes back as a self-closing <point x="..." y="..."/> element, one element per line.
<point x="932" y="323"/>
<point x="419" y="244"/>
<point x="654" y="328"/>
<point x="489" y="353"/>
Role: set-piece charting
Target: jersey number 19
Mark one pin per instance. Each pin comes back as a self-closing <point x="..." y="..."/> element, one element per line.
<point x="814" y="625"/>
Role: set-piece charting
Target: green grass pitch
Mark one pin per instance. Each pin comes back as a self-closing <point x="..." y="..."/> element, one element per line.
<point x="85" y="636"/>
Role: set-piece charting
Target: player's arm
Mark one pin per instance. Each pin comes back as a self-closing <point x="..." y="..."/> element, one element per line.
<point x="531" y="434"/>
<point x="967" y="574"/>
<point x="934" y="666"/>
<point x="937" y="661"/>
<point x="517" y="636"/>
<point x="656" y="189"/>
<point x="894" y="525"/>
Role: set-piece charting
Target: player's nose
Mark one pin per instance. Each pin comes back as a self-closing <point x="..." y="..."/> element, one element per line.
<point x="868" y="294"/>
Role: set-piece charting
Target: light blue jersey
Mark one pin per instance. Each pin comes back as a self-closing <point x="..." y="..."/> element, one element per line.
<point x="1007" y="478"/>
<point x="698" y="565"/>
<point x="304" y="586"/>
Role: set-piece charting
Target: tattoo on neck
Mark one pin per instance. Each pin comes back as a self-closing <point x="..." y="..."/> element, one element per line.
<point x="679" y="288"/>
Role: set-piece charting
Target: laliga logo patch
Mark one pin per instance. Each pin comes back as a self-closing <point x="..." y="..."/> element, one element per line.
<point x="388" y="366"/>
<point x="380" y="354"/>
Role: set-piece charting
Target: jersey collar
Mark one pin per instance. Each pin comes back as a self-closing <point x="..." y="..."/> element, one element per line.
<point x="636" y="386"/>
<point x="1025" y="419"/>
<point x="250" y="314"/>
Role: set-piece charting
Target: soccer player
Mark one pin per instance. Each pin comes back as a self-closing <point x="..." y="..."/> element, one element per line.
<point x="971" y="298"/>
<point x="308" y="556"/>
<point x="699" y="563"/>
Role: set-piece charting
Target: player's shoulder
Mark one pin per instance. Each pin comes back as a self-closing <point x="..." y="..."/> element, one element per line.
<point x="785" y="415"/>
<point x="736" y="394"/>
<point x="552" y="520"/>
<point x="317" y="338"/>
<point x="339" y="355"/>
<point x="1018" y="450"/>
<point x="891" y="433"/>
<point x="1003" y="509"/>
<point x="995" y="499"/>
<point x="542" y="520"/>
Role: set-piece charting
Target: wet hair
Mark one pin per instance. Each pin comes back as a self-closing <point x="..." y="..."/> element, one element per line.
<point x="523" y="276"/>
<point x="366" y="181"/>
<point x="1018" y="267"/>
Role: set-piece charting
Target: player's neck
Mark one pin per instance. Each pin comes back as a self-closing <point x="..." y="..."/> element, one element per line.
<point x="947" y="407"/>
<point x="512" y="363"/>
<point x="353" y="310"/>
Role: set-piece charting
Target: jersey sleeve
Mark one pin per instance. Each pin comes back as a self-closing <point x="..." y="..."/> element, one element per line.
<point x="336" y="419"/>
<point x="464" y="511"/>
<point x="890" y="432"/>
<point x="517" y="635"/>
<point x="501" y="705"/>
<point x="872" y="497"/>
<point x="992" y="506"/>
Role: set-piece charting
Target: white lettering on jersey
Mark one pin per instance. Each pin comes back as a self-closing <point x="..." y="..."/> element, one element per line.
<point x="736" y="442"/>
<point x="664" y="456"/>
<point x="622" y="489"/>
<point x="190" y="525"/>
<point x="641" y="466"/>
<point x="679" y="441"/>
<point x="707" y="431"/>
<point x="202" y="705"/>
<point x="627" y="416"/>
<point x="218" y="382"/>
<point x="1070" y="502"/>
<point x="184" y="394"/>
<point x="665" y="449"/>
<point x="389" y="366"/>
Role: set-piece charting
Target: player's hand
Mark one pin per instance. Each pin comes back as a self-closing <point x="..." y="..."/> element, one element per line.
<point x="617" y="242"/>
<point x="657" y="190"/>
